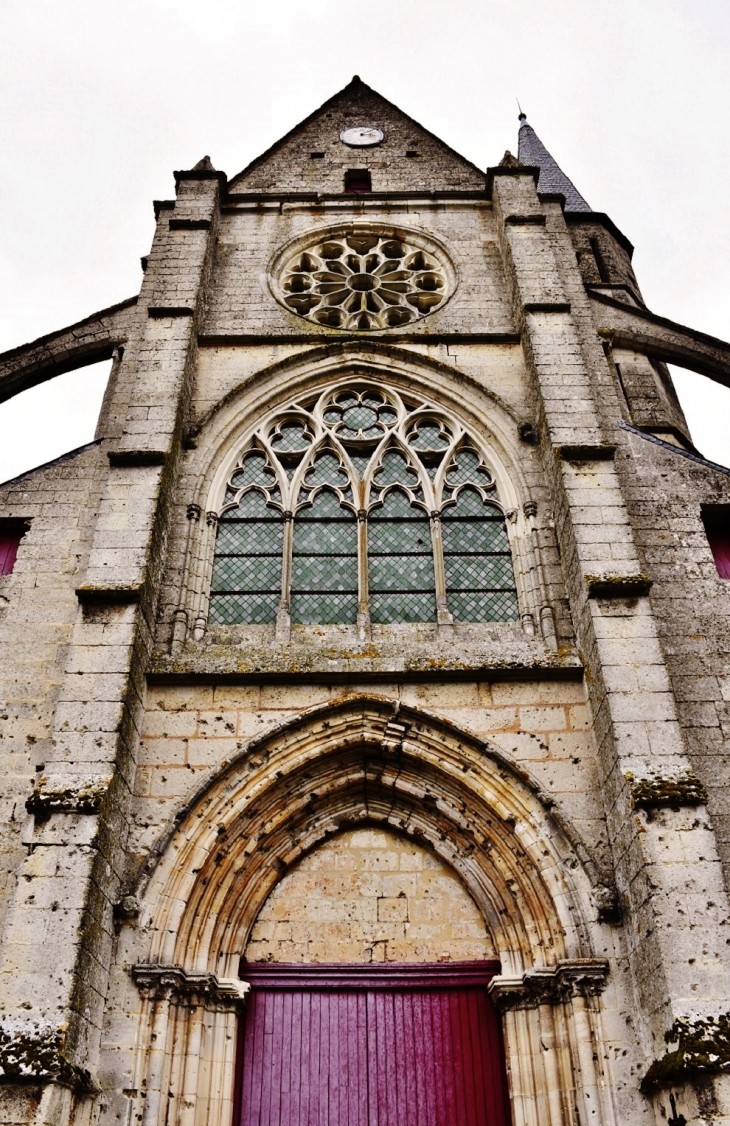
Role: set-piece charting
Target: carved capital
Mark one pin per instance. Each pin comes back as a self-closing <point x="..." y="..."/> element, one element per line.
<point x="191" y="989"/>
<point x="552" y="985"/>
<point x="194" y="511"/>
<point x="211" y="519"/>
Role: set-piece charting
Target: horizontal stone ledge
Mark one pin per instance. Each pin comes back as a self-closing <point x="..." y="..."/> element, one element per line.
<point x="120" y="459"/>
<point x="601" y="451"/>
<point x="34" y="1051"/>
<point x="59" y="794"/>
<point x="547" y="306"/>
<point x="530" y="170"/>
<point x="190" y="224"/>
<point x="671" y="793"/>
<point x="200" y="174"/>
<point x="159" y="311"/>
<point x="185" y="671"/>
<point x="163" y="205"/>
<point x="618" y="586"/>
<point x="176" y="984"/>
<point x="318" y="336"/>
<point x="550" y="985"/>
<point x="114" y="594"/>
<point x="703" y="1049"/>
<point x="536" y="220"/>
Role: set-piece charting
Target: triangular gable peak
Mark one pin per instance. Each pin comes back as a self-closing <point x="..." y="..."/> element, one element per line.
<point x="312" y="158"/>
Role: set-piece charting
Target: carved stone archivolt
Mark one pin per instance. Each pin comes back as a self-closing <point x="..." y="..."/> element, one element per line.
<point x="363" y="278"/>
<point x="367" y="761"/>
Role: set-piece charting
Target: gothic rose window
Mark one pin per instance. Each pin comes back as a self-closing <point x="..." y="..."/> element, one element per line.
<point x="363" y="280"/>
<point x="362" y="505"/>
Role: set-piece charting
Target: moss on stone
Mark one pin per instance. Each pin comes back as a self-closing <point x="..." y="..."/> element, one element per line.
<point x="703" y="1046"/>
<point x="37" y="1051"/>
<point x="651" y="793"/>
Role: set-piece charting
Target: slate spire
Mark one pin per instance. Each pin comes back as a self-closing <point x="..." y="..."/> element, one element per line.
<point x="552" y="178"/>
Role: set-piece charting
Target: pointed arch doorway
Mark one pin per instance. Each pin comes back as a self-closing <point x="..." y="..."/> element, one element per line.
<point x="369" y="965"/>
<point x="371" y="1045"/>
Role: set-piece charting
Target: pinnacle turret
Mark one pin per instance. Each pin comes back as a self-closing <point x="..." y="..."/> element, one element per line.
<point x="552" y="178"/>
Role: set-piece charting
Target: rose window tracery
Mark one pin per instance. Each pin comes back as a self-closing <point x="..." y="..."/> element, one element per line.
<point x="360" y="281"/>
<point x="362" y="502"/>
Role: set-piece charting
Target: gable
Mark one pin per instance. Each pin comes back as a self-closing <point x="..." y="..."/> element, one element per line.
<point x="291" y="166"/>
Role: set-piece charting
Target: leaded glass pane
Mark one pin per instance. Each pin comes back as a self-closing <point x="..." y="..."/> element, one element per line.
<point x="324" y="563"/>
<point x="400" y="556"/>
<point x="395" y="470"/>
<point x="246" y="580"/>
<point x="466" y="467"/>
<point x="480" y="584"/>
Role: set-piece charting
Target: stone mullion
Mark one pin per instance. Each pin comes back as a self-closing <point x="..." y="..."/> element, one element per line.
<point x="443" y="615"/>
<point x="636" y="723"/>
<point x="283" y="614"/>
<point x="363" y="595"/>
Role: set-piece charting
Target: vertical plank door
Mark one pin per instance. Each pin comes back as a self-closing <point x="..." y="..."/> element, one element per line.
<point x="390" y="1045"/>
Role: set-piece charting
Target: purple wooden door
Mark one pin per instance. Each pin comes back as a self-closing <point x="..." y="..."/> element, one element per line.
<point x="391" y="1045"/>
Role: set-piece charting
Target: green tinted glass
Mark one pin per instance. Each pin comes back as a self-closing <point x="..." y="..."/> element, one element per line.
<point x="246" y="581"/>
<point x="400" y="558"/>
<point x="480" y="582"/>
<point x="324" y="563"/>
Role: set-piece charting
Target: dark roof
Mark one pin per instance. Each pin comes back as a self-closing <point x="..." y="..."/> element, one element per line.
<point x="552" y="178"/>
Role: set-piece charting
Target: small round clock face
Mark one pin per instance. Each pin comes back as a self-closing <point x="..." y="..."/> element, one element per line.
<point x="362" y="136"/>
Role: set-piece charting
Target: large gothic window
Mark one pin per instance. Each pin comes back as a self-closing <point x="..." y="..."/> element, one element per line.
<point x="361" y="504"/>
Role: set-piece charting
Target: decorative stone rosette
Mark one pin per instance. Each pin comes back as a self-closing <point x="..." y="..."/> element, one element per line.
<point x="362" y="279"/>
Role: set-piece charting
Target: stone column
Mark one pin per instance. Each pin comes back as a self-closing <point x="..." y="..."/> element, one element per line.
<point x="666" y="869"/>
<point x="59" y="934"/>
<point x="551" y="1046"/>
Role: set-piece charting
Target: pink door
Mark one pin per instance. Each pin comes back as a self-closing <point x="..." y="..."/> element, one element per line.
<point x="386" y="1045"/>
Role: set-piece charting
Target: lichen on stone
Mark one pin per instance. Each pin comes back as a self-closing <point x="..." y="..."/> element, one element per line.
<point x="654" y="792"/>
<point x="36" y="1050"/>
<point x="618" y="586"/>
<point x="703" y="1046"/>
<point x="63" y="795"/>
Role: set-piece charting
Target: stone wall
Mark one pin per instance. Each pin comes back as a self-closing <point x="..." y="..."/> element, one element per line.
<point x="369" y="896"/>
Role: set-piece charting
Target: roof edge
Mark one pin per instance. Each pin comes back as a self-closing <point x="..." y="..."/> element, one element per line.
<point x="354" y="82"/>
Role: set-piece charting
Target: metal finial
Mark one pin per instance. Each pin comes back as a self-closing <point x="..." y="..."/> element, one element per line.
<point x="523" y="116"/>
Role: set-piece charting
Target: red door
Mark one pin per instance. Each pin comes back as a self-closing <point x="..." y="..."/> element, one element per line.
<point x="386" y="1045"/>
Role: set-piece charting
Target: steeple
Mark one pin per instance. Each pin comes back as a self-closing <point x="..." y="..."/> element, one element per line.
<point x="552" y="178"/>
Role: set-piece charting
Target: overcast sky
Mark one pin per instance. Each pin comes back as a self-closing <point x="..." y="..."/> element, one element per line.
<point x="103" y="100"/>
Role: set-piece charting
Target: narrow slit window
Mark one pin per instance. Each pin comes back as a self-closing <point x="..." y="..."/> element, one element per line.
<point x="716" y="518"/>
<point x="400" y="561"/>
<point x="480" y="581"/>
<point x="358" y="181"/>
<point x="246" y="585"/>
<point x="324" y="563"/>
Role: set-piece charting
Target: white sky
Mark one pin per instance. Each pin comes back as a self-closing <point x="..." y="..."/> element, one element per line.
<point x="102" y="100"/>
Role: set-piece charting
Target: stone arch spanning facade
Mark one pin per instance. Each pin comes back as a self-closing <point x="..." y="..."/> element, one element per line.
<point x="367" y="762"/>
<point x="223" y="432"/>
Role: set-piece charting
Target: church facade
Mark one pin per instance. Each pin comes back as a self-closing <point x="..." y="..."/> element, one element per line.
<point x="365" y="683"/>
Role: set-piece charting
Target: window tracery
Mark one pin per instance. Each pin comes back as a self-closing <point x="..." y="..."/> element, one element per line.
<point x="363" y="280"/>
<point x="361" y="505"/>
